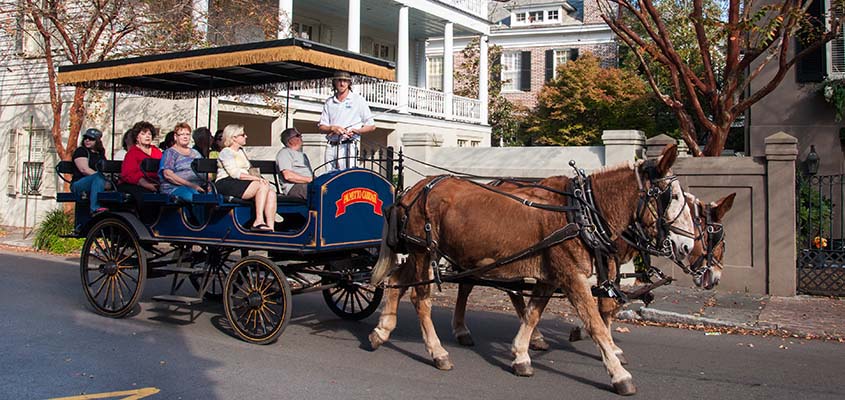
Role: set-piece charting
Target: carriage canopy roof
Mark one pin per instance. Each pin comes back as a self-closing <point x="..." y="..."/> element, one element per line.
<point x="241" y="68"/>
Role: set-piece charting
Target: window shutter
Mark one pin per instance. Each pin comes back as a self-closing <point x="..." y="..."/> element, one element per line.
<point x="573" y="54"/>
<point x="550" y="65"/>
<point x="813" y="67"/>
<point x="525" y="71"/>
<point x="12" y="164"/>
<point x="496" y="65"/>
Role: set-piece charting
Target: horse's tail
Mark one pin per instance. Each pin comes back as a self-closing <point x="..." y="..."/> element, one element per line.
<point x="386" y="258"/>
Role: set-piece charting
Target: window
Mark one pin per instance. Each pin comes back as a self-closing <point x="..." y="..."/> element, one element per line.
<point x="553" y="15"/>
<point x="561" y="57"/>
<point x="434" y="73"/>
<point x="381" y="50"/>
<point x="462" y="142"/>
<point x="27" y="165"/>
<point x="303" y="31"/>
<point x="510" y="70"/>
<point x="520" y="17"/>
<point x="475" y="143"/>
<point x="535" y="16"/>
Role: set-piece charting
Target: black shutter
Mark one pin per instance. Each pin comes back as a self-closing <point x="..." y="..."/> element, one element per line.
<point x="813" y="67"/>
<point x="525" y="71"/>
<point x="550" y="65"/>
<point x="573" y="54"/>
<point x="496" y="65"/>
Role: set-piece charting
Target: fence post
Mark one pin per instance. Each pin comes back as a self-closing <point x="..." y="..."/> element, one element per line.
<point x="781" y="152"/>
<point x="655" y="145"/>
<point x="622" y="145"/>
<point x="388" y="163"/>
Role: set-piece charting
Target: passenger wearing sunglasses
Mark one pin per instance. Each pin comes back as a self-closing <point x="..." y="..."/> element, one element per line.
<point x="294" y="167"/>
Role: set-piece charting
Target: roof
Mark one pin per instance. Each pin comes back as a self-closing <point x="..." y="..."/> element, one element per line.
<point x="224" y="70"/>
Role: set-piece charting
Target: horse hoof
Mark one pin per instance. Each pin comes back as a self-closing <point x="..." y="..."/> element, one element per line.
<point x="375" y="340"/>
<point x="523" y="369"/>
<point x="539" y="344"/>
<point x="622" y="359"/>
<point x="625" y="388"/>
<point x="466" y="340"/>
<point x="575" y="334"/>
<point x="443" y="363"/>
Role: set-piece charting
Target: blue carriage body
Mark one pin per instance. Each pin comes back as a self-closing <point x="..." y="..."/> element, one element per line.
<point x="344" y="210"/>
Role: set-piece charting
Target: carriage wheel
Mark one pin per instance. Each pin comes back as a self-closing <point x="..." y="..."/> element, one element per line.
<point x="257" y="300"/>
<point x="113" y="268"/>
<point x="353" y="300"/>
<point x="219" y="262"/>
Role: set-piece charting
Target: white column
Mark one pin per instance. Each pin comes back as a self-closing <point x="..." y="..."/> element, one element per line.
<point x="285" y="18"/>
<point x="422" y="69"/>
<point x="403" y="61"/>
<point x="448" y="69"/>
<point x="353" y="35"/>
<point x="483" y="76"/>
<point x="199" y="13"/>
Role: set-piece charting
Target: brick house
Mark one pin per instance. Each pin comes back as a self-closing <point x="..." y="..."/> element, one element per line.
<point x="536" y="36"/>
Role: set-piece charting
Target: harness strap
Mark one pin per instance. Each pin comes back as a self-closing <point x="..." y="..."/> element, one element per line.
<point x="559" y="236"/>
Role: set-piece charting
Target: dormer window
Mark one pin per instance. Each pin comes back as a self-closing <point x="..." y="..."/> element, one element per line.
<point x="553" y="15"/>
<point x="520" y="17"/>
<point x="535" y="16"/>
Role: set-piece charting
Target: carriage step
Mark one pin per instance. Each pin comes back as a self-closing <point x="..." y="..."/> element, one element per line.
<point x="170" y="298"/>
<point x="181" y="270"/>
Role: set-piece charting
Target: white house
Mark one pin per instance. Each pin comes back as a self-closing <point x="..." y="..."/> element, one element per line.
<point x="387" y="29"/>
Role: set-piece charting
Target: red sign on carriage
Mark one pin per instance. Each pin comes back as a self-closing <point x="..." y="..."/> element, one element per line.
<point x="358" y="195"/>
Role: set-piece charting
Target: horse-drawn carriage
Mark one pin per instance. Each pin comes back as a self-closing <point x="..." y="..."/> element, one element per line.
<point x="328" y="242"/>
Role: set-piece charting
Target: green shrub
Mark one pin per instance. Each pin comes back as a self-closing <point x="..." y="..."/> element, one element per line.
<point x="47" y="237"/>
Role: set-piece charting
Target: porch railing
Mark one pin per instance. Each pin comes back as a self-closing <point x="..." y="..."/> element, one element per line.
<point x="385" y="95"/>
<point x="466" y="109"/>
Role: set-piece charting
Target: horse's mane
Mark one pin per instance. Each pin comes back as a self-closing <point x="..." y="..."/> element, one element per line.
<point x="616" y="167"/>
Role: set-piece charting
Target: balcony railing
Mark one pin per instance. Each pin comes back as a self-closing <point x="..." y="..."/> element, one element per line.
<point x="474" y="7"/>
<point x="385" y="95"/>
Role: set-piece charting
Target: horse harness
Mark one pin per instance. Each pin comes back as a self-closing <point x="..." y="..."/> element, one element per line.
<point x="715" y="231"/>
<point x="588" y="224"/>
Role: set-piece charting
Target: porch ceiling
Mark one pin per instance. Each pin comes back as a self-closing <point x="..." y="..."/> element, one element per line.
<point x="380" y="13"/>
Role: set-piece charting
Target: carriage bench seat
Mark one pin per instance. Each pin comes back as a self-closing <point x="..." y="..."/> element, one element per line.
<point x="66" y="168"/>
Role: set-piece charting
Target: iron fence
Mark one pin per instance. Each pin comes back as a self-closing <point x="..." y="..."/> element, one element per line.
<point x="819" y="239"/>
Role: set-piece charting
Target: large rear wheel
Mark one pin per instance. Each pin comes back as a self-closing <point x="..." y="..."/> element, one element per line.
<point x="257" y="300"/>
<point x="113" y="268"/>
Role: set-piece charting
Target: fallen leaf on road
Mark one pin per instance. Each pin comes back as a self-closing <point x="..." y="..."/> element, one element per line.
<point x="751" y="345"/>
<point x="622" y="329"/>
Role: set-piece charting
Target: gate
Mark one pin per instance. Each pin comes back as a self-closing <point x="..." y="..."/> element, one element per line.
<point x="821" y="224"/>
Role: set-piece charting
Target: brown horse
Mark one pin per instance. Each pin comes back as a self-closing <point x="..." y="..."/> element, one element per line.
<point x="705" y="261"/>
<point x="476" y="228"/>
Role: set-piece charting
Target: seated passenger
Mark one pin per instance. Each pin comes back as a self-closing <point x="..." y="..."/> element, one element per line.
<point x="126" y="144"/>
<point x="234" y="179"/>
<point x="132" y="179"/>
<point x="202" y="141"/>
<point x="175" y="173"/>
<point x="294" y="167"/>
<point x="86" y="178"/>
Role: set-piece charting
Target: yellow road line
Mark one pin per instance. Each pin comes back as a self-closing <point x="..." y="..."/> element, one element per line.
<point x="131" y="395"/>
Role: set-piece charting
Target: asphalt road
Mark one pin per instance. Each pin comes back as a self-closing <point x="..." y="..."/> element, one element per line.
<point x="54" y="346"/>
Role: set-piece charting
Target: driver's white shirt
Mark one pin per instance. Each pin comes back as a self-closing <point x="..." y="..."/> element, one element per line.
<point x="351" y="113"/>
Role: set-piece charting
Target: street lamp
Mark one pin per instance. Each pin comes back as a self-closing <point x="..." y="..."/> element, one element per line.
<point x="811" y="163"/>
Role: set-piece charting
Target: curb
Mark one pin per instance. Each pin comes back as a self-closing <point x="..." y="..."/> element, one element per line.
<point x="660" y="316"/>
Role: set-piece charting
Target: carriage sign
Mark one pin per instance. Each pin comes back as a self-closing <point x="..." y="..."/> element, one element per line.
<point x="358" y="195"/>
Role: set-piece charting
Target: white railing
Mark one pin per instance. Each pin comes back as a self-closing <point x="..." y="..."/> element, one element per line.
<point x="474" y="7"/>
<point x="426" y="102"/>
<point x="385" y="95"/>
<point x="466" y="109"/>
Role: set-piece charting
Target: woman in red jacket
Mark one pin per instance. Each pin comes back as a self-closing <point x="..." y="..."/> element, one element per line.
<point x="132" y="179"/>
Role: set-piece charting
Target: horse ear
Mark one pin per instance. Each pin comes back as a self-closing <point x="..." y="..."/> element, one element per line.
<point x="722" y="206"/>
<point x="667" y="158"/>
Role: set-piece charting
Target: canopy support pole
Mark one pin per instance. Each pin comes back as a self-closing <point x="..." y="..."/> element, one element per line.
<point x="287" y="107"/>
<point x="113" y="116"/>
<point x="197" y="111"/>
<point x="210" y="91"/>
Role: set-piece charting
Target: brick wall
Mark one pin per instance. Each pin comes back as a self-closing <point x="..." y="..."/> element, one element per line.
<point x="606" y="51"/>
<point x="592" y="15"/>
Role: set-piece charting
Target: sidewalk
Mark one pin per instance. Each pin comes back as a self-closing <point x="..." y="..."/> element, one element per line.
<point x="685" y="307"/>
<point x="692" y="308"/>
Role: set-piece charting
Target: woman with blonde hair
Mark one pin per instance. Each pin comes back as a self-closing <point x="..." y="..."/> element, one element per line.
<point x="233" y="179"/>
